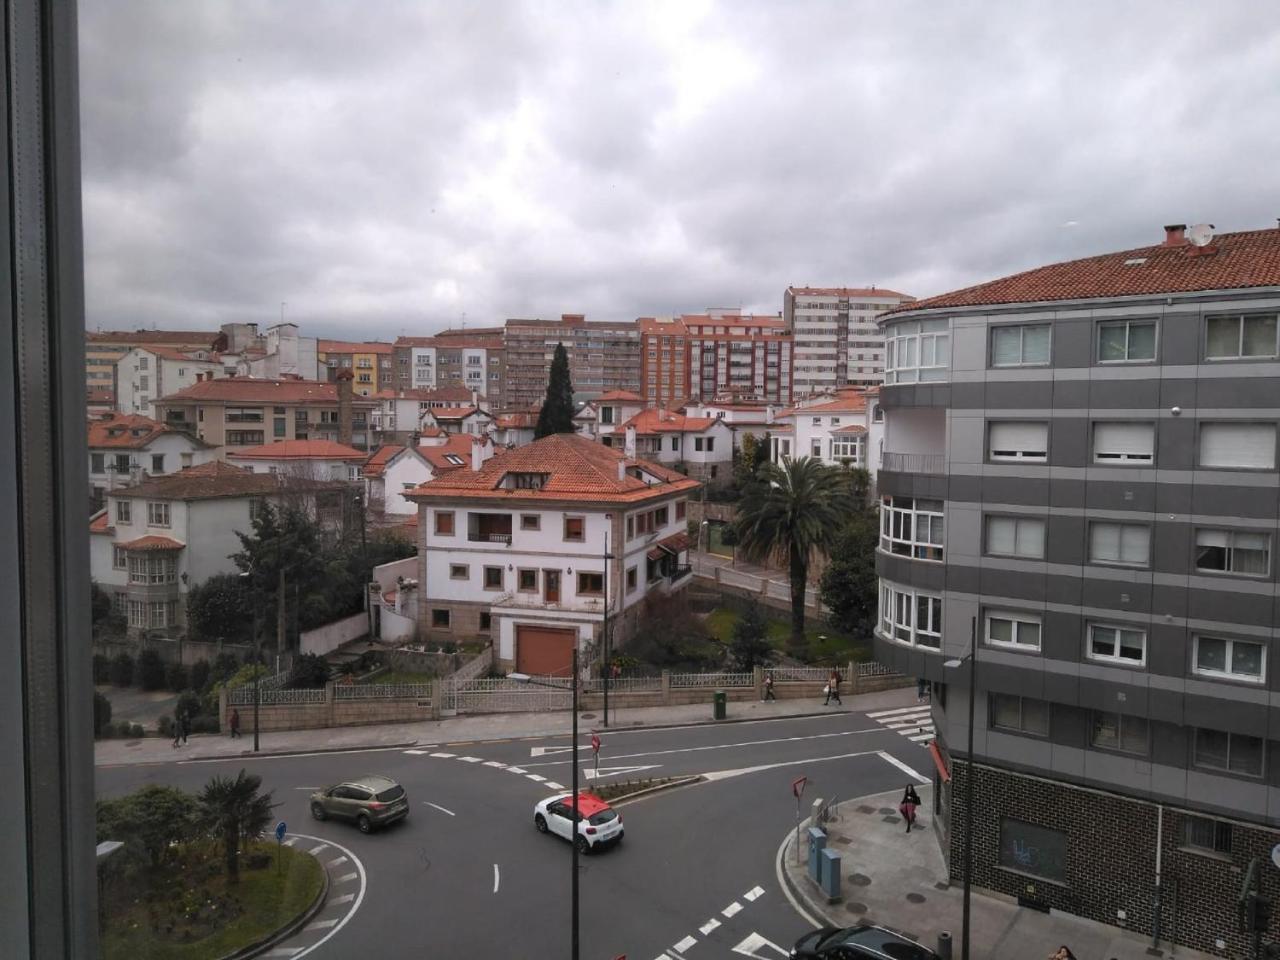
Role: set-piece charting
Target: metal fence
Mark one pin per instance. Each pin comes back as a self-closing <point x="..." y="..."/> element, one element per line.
<point x="685" y="681"/>
<point x="243" y="696"/>
<point x="799" y="674"/>
<point x="870" y="668"/>
<point x="934" y="463"/>
<point x="624" y="685"/>
<point x="382" y="691"/>
<point x="507" y="696"/>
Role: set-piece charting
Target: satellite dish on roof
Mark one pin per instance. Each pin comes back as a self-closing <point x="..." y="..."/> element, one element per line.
<point x="1200" y="234"/>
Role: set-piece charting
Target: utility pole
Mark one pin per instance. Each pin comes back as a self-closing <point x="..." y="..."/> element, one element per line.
<point x="969" y="774"/>
<point x="280" y="613"/>
<point x="604" y="629"/>
<point x="573" y="952"/>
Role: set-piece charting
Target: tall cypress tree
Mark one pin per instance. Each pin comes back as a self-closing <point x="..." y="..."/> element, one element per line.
<point x="556" y="415"/>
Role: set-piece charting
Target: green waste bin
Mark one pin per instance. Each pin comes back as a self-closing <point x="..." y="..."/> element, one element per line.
<point x="718" y="702"/>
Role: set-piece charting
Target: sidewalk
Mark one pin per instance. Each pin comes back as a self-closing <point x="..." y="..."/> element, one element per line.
<point x="899" y="880"/>
<point x="474" y="727"/>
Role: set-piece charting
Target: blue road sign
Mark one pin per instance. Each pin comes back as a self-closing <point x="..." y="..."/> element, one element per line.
<point x="280" y="829"/>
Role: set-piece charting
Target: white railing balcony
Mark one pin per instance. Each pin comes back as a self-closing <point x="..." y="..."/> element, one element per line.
<point x="928" y="463"/>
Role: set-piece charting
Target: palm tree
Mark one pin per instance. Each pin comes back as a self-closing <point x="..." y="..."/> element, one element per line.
<point x="795" y="507"/>
<point x="233" y="810"/>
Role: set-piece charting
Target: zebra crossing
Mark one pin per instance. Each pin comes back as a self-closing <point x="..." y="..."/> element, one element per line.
<point x="914" y="723"/>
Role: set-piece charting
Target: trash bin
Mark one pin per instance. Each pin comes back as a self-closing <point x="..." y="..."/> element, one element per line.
<point x="719" y="699"/>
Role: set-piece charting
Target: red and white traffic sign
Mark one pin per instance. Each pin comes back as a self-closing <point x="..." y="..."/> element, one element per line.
<point x="797" y="786"/>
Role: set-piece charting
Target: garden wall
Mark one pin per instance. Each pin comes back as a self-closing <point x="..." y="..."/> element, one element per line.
<point x="187" y="651"/>
<point x="325" y="639"/>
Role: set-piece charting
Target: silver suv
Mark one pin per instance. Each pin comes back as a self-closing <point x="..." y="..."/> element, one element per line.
<point x="372" y="801"/>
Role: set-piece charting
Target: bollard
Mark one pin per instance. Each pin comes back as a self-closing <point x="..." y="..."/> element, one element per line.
<point x="830" y="875"/>
<point x="944" y="945"/>
<point x="817" y="844"/>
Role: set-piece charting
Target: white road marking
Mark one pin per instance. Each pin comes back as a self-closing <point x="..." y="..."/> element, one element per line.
<point x="288" y="756"/>
<point x="355" y="905"/>
<point x="726" y="774"/>
<point x="291" y="841"/>
<point x="519" y="770"/>
<point x="902" y="766"/>
<point x="345" y="898"/>
<point x="901" y="710"/>
<point x="495" y="878"/>
<point x="536" y="779"/>
<point x="731" y="910"/>
<point x="495" y="763"/>
<point x="415" y="753"/>
<point x="345" y="877"/>
<point x="440" y="808"/>
<point x="312" y="789"/>
<point x="755" y="946"/>
<point x="316" y="849"/>
<point x="546" y="751"/>
<point x="552" y="785"/>
<point x="903" y="722"/>
<point x="321" y="924"/>
<point x="707" y="927"/>
<point x="339" y="860"/>
<point x="722" y="746"/>
<point x="685" y="944"/>
<point x="599" y="774"/>
<point x="472" y="759"/>
<point x="754" y="893"/>
<point x="920" y="737"/>
<point x="444" y="756"/>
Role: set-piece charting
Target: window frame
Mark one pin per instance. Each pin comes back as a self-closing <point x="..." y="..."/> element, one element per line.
<point x="1022" y="329"/>
<point x="582" y="531"/>
<point x="910" y="337"/>
<point x="1020" y="456"/>
<point x="520" y="579"/>
<point x="525" y="523"/>
<point x="1113" y="658"/>
<point x="1017" y="619"/>
<point x="1127" y="325"/>
<point x="119" y="557"/>
<point x="1198" y="763"/>
<point x="159" y="514"/>
<point x="633" y="579"/>
<point x="1229" y="658"/>
<point x="459" y="571"/>
<point x="1131" y="564"/>
<point x="1017" y="520"/>
<point x="124" y="511"/>
<point x="1220" y="845"/>
<point x="1120" y="720"/>
<point x="450" y="522"/>
<point x="1241" y="319"/>
<point x="441" y="618"/>
<point x="1102" y="459"/>
<point x="488" y="571"/>
<point x="1229" y="553"/>
<point x="1204" y="425"/>
<point x="583" y="575"/>
<point x="992" y="702"/>
<point x="894" y="517"/>
<point x="894" y="600"/>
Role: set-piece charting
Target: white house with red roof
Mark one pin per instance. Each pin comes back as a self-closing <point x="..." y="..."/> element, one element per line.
<point x="394" y="470"/>
<point x="147" y="373"/>
<point x="313" y="459"/>
<point x="123" y="449"/>
<point x="514" y="429"/>
<point x="845" y="428"/>
<point x="471" y="419"/>
<point x="604" y="416"/>
<point x="700" y="446"/>
<point x="515" y="548"/>
<point x="399" y="411"/>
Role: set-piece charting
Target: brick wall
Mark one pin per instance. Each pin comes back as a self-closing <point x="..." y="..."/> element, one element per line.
<point x="1110" y="863"/>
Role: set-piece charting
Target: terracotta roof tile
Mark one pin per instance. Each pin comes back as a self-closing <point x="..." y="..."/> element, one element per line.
<point x="101" y="523"/>
<point x="447" y="395"/>
<point x="253" y="390"/>
<point x="456" y="446"/>
<point x="346" y="346"/>
<point x="620" y="396"/>
<point x="1232" y="261"/>
<point x="298" y="450"/>
<point x="127" y="432"/>
<point x="656" y="420"/>
<point x="153" y="542"/>
<point x="376" y="465"/>
<point x="853" y="429"/>
<point x="847" y="292"/>
<point x="217" y="479"/>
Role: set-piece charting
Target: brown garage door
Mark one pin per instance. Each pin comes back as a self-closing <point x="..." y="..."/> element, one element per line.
<point x="545" y="651"/>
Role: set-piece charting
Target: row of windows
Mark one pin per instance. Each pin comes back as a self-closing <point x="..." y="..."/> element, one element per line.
<point x="493" y="578"/>
<point x="158" y="513"/>
<point x="1215" y="750"/>
<point x="1223" y="445"/>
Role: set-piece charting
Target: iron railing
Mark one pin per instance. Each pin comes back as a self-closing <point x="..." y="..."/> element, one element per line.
<point x="708" y="680"/>
<point x="382" y="691"/>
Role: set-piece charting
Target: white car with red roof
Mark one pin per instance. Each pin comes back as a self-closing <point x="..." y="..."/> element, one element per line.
<point x="598" y="824"/>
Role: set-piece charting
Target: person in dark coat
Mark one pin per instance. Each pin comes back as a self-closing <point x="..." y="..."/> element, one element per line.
<point x="235" y="723"/>
<point x="910" y="800"/>
<point x="177" y="728"/>
<point x="833" y="688"/>
<point x="768" y="687"/>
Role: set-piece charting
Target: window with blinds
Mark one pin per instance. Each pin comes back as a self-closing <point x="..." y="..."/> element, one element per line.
<point x="1126" y="543"/>
<point x="1018" y="440"/>
<point x="1020" y="345"/>
<point x="1015" y="537"/>
<point x="1127" y="443"/>
<point x="1232" y="551"/>
<point x="1244" y="446"/>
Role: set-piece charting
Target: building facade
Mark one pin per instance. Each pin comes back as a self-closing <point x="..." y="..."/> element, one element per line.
<point x="1080" y="468"/>
<point x="476" y="362"/>
<point x="371" y="364"/>
<point x="701" y="447"/>
<point x="603" y="356"/>
<point x="124" y="449"/>
<point x="837" y="340"/>
<point x="732" y="356"/>
<point x="514" y="548"/>
<point x="104" y="348"/>
<point x="145" y="373"/>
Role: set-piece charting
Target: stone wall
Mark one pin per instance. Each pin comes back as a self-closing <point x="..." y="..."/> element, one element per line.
<point x="170" y="650"/>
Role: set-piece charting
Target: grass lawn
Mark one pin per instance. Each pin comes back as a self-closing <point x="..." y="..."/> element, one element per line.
<point x="187" y="911"/>
<point x="402" y="676"/>
<point x="837" y="648"/>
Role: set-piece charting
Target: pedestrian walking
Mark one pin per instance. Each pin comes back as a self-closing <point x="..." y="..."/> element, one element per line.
<point x="768" y="687"/>
<point x="832" y="689"/>
<point x="922" y="690"/>
<point x="177" y="729"/>
<point x="184" y="727"/>
<point x="235" y="723"/>
<point x="910" y="800"/>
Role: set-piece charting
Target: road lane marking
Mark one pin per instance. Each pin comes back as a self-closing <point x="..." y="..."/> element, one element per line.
<point x="495" y="878"/>
<point x="316" y="849"/>
<point x="338" y="861"/>
<point x="283" y="952"/>
<point x="552" y="785"/>
<point x="291" y="841"/>
<point x="707" y="927"/>
<point x="444" y="756"/>
<point x="754" y="946"/>
<point x="321" y="924"/>
<point x="726" y="774"/>
<point x="731" y="910"/>
<point x="345" y="898"/>
<point x="519" y="770"/>
<point x="415" y="753"/>
<point x="753" y="893"/>
<point x="722" y="746"/>
<point x="537" y="779"/>
<point x="685" y="944"/>
<point x="460" y="743"/>
<point x="901" y="710"/>
<point x="472" y="759"/>
<point x="602" y="772"/>
<point x="355" y="903"/>
<point x="903" y="767"/>
<point x="307" y="788"/>
<point x="345" y="877"/>
<point x="440" y="808"/>
<point x="242" y="757"/>
<point x="918" y="737"/>
<point x="547" y="751"/>
<point x="495" y="764"/>
<point x="782" y="883"/>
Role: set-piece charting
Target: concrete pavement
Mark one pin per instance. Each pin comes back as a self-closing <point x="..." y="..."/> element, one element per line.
<point x="899" y="880"/>
<point x="478" y="727"/>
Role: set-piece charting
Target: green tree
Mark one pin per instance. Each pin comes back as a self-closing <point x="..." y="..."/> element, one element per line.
<point x="556" y="415"/>
<point x="122" y="670"/>
<point x="234" y="811"/>
<point x="310" y="671"/>
<point x="149" y="821"/>
<point x="288" y="539"/>
<point x="200" y="675"/>
<point x="105" y="619"/>
<point x="849" y="583"/>
<point x="99" y="603"/>
<point x="220" y="609"/>
<point x="748" y="645"/>
<point x="794" y="510"/>
<point x="150" y="670"/>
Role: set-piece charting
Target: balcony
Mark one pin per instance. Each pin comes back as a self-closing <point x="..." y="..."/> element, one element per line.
<point x="489" y="528"/>
<point x="928" y="463"/>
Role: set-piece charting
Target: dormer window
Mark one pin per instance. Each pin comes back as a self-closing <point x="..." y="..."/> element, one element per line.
<point x="528" y="481"/>
<point x="453" y="458"/>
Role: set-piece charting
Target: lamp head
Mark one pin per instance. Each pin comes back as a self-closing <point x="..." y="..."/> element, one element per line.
<point x="953" y="664"/>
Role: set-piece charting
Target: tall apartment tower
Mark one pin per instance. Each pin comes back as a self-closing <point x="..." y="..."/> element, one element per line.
<point x="603" y="356"/>
<point x="837" y="342"/>
<point x="1079" y="465"/>
<point x="718" y="354"/>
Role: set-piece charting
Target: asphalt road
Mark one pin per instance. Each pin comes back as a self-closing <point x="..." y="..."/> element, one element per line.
<point x="467" y="875"/>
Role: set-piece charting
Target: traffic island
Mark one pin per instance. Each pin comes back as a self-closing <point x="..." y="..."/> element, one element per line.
<point x="626" y="790"/>
<point x="189" y="909"/>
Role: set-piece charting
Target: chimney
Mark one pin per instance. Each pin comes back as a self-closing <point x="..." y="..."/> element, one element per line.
<point x="769" y="411"/>
<point x="477" y="452"/>
<point x="475" y="398"/>
<point x="1174" y="235"/>
<point x="629" y="447"/>
<point x="622" y="468"/>
<point x="344" y="379"/>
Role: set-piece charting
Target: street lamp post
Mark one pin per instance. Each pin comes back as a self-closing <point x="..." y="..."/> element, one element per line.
<point x="604" y="632"/>
<point x="968" y="786"/>
<point x="257" y="656"/>
<point x="364" y="564"/>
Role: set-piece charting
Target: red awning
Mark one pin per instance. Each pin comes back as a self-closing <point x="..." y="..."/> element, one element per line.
<point x="939" y="762"/>
<point x="676" y="543"/>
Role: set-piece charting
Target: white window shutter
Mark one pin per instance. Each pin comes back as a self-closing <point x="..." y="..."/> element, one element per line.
<point x="1104" y="541"/>
<point x="1020" y="436"/>
<point x="1031" y="538"/>
<point x="1000" y="535"/>
<point x="1122" y="442"/>
<point x="1246" y="445"/>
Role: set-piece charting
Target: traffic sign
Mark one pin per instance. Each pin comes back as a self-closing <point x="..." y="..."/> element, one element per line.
<point x="280" y="829"/>
<point x="797" y="786"/>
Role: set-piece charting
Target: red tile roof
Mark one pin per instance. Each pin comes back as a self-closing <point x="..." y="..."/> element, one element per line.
<point x="126" y="432"/>
<point x="153" y="542"/>
<point x="577" y="469"/>
<point x="455" y="413"/>
<point x="620" y="396"/>
<point x="852" y="430"/>
<point x="346" y="346"/>
<point x="516" y="421"/>
<point x="378" y="460"/>
<point x="1232" y="261"/>
<point x="447" y="395"/>
<point x="253" y="390"/>
<point x="844" y="402"/>
<point x="456" y="446"/>
<point x="100" y="395"/>
<point x="217" y="479"/>
<point x="765" y="321"/>
<point x="847" y="292"/>
<point x="101" y="523"/>
<point x="173" y="353"/>
<point x="298" y="450"/>
<point x="656" y="420"/>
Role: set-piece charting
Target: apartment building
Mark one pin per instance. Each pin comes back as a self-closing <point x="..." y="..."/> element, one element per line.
<point x="104" y="348"/>
<point x="476" y="362"/>
<point x="837" y="340"/>
<point x="602" y="418"/>
<point x="126" y="448"/>
<point x="737" y="357"/>
<point x="145" y="373"/>
<point x="845" y="429"/>
<point x="603" y="356"/>
<point x="399" y="413"/>
<point x="239" y="412"/>
<point x="1080" y="467"/>
<point x="514" y="548"/>
<point x="371" y="363"/>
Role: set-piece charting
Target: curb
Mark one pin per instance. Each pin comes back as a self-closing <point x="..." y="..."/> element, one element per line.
<point x="798" y="891"/>
<point x="290" y="928"/>
<point x="250" y="755"/>
<point x="707" y="723"/>
<point x="647" y="791"/>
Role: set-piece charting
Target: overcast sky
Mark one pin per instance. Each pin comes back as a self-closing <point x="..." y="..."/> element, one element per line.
<point x="388" y="168"/>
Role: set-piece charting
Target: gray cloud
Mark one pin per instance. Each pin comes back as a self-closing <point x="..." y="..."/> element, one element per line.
<point x="388" y="167"/>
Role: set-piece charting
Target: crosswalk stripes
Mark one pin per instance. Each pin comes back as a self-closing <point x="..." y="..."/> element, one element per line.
<point x="914" y="723"/>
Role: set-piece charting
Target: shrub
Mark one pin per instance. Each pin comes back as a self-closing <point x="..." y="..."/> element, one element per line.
<point x="122" y="670"/>
<point x="101" y="668"/>
<point x="224" y="666"/>
<point x="175" y="676"/>
<point x="136" y="731"/>
<point x="200" y="672"/>
<point x="164" y="726"/>
<point x="449" y="646"/>
<point x="150" y="670"/>
<point x="205" y="724"/>
<point x="189" y="705"/>
<point x="101" y="713"/>
<point x="310" y="671"/>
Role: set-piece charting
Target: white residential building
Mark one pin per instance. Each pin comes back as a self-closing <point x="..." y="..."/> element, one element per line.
<point x="399" y="412"/>
<point x="757" y="419"/>
<point x="471" y="420"/>
<point x="310" y="459"/>
<point x="702" y="446"/>
<point x="844" y="429"/>
<point x="837" y="340"/>
<point x="514" y="548"/>
<point x="145" y="374"/>
<point x="604" y="416"/>
<point x="395" y="470"/>
<point x="514" y="429"/>
<point x="125" y="449"/>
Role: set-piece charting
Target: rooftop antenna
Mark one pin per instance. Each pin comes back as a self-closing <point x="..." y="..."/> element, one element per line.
<point x="1200" y="235"/>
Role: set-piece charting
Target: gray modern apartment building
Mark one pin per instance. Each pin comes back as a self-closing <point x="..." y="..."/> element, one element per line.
<point x="1080" y="462"/>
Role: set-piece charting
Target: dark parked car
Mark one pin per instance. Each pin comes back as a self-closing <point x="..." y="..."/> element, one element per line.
<point x="863" y="942"/>
<point x="372" y="802"/>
